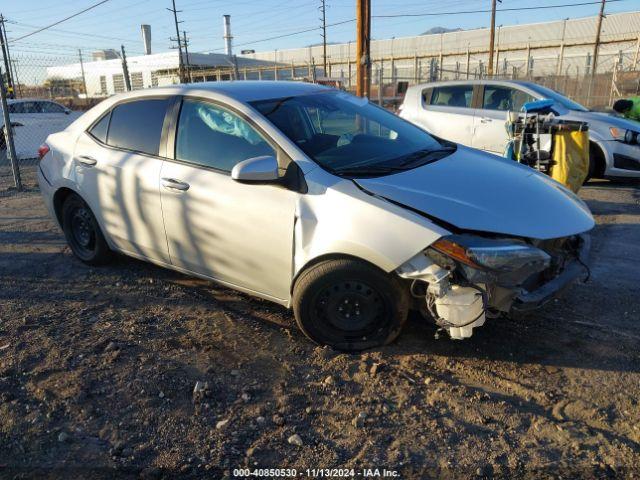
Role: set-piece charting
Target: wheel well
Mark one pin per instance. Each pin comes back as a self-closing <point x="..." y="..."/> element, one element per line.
<point x="600" y="163"/>
<point x="326" y="257"/>
<point x="58" y="200"/>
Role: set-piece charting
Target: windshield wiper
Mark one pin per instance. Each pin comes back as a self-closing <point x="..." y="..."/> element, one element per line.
<point x="407" y="163"/>
<point x="368" y="171"/>
<point x="428" y="155"/>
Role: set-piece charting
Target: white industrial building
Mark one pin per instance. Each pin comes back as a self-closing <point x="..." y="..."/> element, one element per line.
<point x="106" y="77"/>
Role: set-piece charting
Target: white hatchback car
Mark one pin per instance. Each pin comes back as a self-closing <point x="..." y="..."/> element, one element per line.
<point x="33" y="119"/>
<point x="473" y="113"/>
<point x="314" y="199"/>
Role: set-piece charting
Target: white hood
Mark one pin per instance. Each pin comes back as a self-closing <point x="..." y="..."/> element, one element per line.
<point x="473" y="190"/>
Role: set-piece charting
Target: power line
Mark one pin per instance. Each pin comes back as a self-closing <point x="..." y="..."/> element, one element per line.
<point x="60" y="21"/>
<point x="64" y="32"/>
<point x="299" y="32"/>
<point x="291" y="34"/>
<point x="513" y="9"/>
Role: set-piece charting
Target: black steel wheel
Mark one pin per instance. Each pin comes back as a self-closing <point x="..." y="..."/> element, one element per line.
<point x="349" y="305"/>
<point x="83" y="233"/>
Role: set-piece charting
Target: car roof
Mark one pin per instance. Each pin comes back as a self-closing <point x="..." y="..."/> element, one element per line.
<point x="241" y="90"/>
<point x="522" y="83"/>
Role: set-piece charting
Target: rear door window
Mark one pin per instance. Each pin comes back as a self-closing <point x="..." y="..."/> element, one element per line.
<point x="452" y="96"/>
<point x="137" y="125"/>
<point x="25" y="107"/>
<point x="50" y="107"/>
<point x="502" y="98"/>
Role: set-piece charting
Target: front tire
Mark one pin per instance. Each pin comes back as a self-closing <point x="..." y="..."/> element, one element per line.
<point x="596" y="162"/>
<point x="83" y="233"/>
<point x="349" y="305"/>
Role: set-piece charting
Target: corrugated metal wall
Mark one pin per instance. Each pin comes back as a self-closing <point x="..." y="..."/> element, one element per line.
<point x="619" y="37"/>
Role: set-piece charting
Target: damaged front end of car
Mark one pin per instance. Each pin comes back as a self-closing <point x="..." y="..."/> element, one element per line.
<point x="462" y="279"/>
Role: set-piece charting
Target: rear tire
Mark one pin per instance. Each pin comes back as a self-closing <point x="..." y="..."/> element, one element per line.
<point x="349" y="305"/>
<point x="83" y="233"/>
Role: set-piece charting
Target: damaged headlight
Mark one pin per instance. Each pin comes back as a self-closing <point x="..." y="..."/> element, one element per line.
<point x="497" y="255"/>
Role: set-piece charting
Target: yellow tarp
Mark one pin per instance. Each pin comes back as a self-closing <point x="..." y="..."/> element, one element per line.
<point x="571" y="157"/>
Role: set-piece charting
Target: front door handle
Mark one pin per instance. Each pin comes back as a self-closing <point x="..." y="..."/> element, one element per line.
<point x="87" y="160"/>
<point x="486" y="120"/>
<point x="173" y="184"/>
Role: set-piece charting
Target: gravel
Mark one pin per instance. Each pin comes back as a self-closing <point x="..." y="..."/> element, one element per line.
<point x="87" y="351"/>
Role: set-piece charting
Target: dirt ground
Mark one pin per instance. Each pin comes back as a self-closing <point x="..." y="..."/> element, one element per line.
<point x="98" y="368"/>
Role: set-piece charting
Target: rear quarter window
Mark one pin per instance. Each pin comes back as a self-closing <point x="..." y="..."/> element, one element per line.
<point x="426" y="96"/>
<point x="100" y="129"/>
<point x="137" y="125"/>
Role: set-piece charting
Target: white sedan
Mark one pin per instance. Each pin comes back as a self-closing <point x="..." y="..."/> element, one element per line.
<point x="32" y="120"/>
<point x="314" y="199"/>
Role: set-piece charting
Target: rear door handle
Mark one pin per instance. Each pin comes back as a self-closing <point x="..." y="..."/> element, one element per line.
<point x="87" y="160"/>
<point x="173" y="184"/>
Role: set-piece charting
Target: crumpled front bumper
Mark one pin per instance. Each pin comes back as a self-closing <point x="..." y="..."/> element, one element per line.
<point x="527" y="301"/>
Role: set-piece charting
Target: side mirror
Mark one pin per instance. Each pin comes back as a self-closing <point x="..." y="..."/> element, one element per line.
<point x="67" y="111"/>
<point x="262" y="169"/>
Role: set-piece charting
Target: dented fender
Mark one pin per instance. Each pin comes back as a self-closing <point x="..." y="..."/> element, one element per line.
<point x="342" y="219"/>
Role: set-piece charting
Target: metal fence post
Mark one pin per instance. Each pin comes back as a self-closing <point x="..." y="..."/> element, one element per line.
<point x="468" y="58"/>
<point x="380" y="80"/>
<point x="8" y="135"/>
<point x="635" y="57"/>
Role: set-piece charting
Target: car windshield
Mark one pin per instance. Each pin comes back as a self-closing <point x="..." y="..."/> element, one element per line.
<point x="560" y="98"/>
<point x="351" y="137"/>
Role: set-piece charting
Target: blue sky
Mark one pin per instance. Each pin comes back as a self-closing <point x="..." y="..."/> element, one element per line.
<point x="118" y="21"/>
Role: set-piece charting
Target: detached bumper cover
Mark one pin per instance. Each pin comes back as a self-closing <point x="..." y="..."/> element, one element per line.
<point x="527" y="301"/>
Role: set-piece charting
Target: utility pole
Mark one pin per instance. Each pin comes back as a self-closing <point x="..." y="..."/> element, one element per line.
<point x="125" y="70"/>
<point x="5" y="57"/>
<point x="8" y="135"/>
<point x="84" y="79"/>
<point x="596" y="45"/>
<point x="492" y="36"/>
<point x="323" y="11"/>
<point x="186" y="55"/>
<point x="363" y="51"/>
<point x="175" y="20"/>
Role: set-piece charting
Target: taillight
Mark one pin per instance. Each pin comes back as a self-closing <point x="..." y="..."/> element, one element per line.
<point x="43" y="150"/>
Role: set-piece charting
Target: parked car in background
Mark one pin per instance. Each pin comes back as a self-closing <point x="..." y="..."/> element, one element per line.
<point x="473" y="113"/>
<point x="314" y="199"/>
<point x="33" y="120"/>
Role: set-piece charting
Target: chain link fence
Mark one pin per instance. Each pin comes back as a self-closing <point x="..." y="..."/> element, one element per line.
<point x="46" y="92"/>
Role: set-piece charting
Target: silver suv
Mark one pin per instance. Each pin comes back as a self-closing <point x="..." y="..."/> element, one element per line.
<point x="473" y="113"/>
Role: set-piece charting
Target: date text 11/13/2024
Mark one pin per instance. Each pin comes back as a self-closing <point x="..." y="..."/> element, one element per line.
<point x="316" y="473"/>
